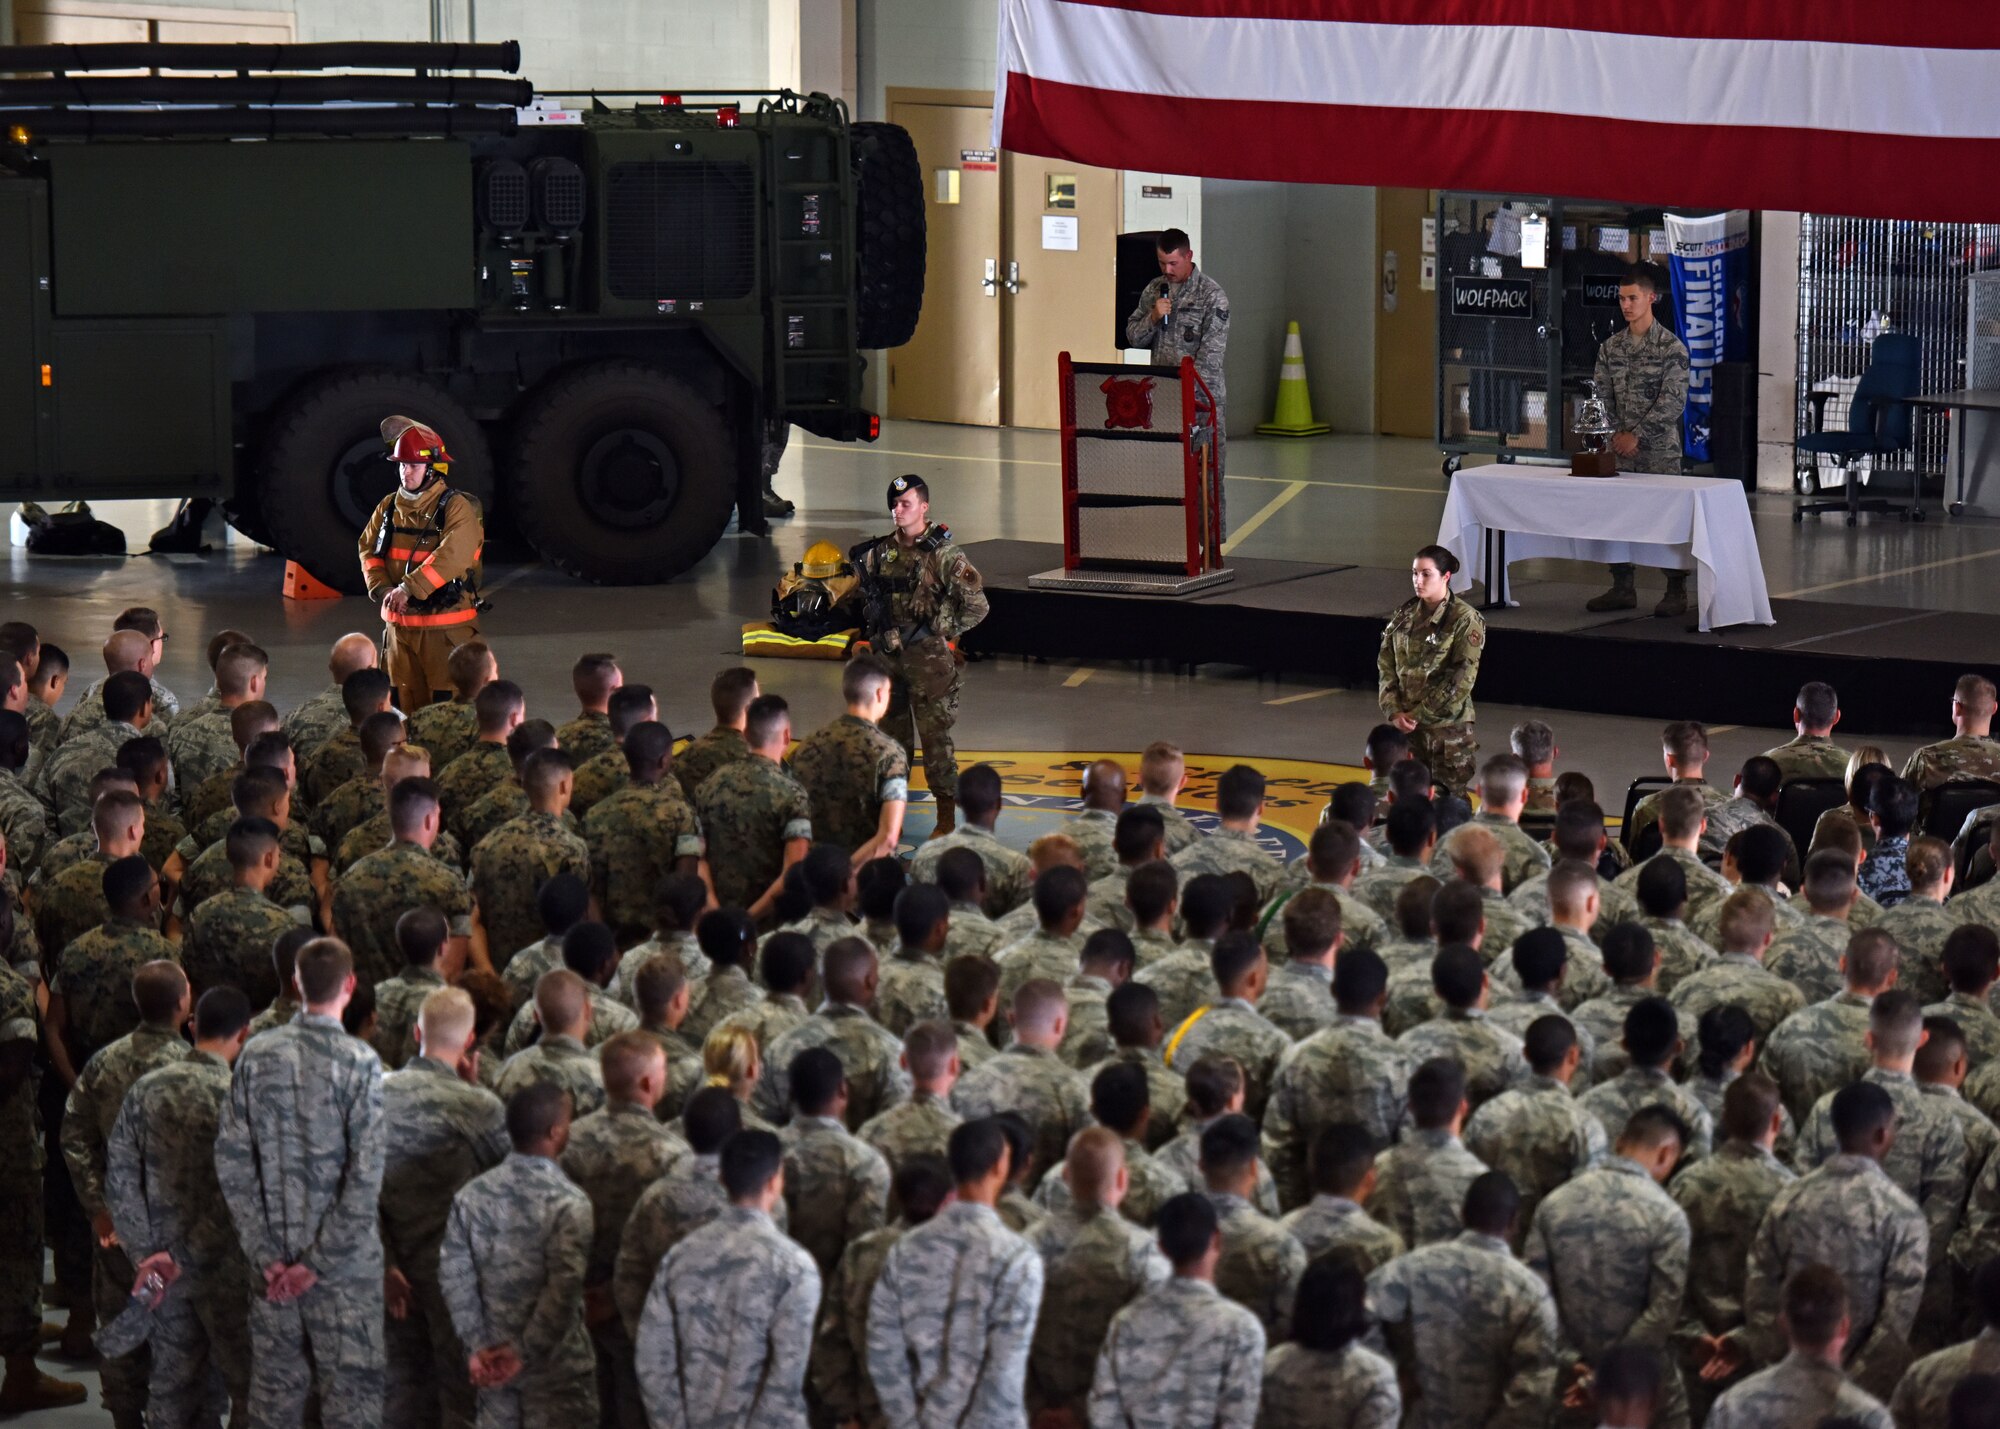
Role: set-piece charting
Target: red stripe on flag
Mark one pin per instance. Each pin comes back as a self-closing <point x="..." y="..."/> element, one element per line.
<point x="1936" y="24"/>
<point x="1678" y="165"/>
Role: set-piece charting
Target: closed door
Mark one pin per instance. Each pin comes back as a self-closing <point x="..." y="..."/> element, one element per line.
<point x="1405" y="331"/>
<point x="949" y="370"/>
<point x="1059" y="277"/>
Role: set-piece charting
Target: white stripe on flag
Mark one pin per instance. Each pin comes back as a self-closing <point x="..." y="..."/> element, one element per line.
<point x="1876" y="89"/>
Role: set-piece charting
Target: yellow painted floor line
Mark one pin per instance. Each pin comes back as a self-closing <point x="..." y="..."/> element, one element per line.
<point x="1294" y="699"/>
<point x="1885" y="575"/>
<point x="1723" y="728"/>
<point x="1269" y="509"/>
<point x="1077" y="677"/>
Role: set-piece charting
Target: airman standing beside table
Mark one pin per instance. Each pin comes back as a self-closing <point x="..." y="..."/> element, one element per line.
<point x="1427" y="666"/>
<point x="1642" y="375"/>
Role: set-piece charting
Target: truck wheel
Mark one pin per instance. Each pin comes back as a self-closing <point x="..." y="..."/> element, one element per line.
<point x="323" y="471"/>
<point x="889" y="227"/>
<point x="621" y="474"/>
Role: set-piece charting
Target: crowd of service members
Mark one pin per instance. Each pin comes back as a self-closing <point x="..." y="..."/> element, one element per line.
<point x="470" y="1068"/>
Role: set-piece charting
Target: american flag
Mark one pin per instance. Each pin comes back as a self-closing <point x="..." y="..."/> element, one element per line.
<point x="1842" y="106"/>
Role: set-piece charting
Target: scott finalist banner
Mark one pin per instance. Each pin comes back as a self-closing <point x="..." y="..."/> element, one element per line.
<point x="1709" y="261"/>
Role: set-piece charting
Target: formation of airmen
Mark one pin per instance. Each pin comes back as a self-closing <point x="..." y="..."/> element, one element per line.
<point x="474" y="1069"/>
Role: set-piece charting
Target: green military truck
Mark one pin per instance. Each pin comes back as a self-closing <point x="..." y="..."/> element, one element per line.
<point x="218" y="287"/>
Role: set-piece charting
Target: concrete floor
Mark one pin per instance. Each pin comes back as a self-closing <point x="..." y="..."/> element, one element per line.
<point x="1340" y="499"/>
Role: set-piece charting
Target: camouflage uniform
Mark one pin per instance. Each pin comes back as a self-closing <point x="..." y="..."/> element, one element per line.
<point x="94" y="979"/>
<point x="348" y="807"/>
<point x="635" y="838"/>
<point x="562" y="1061"/>
<point x="1379" y="887"/>
<point x="1360" y="926"/>
<point x="726" y="1334"/>
<point x="67" y="776"/>
<point x="1351" y="1386"/>
<point x="1088" y="1039"/>
<point x="1184" y="980"/>
<point x="586" y="736"/>
<point x="975" y="1051"/>
<point x="210" y="876"/>
<point x="1604" y="1017"/>
<point x="1584" y="978"/>
<point x="1927" y="1161"/>
<point x="951" y="1322"/>
<point x="1298" y="1000"/>
<point x="1349" y="1072"/>
<point x="471" y="777"/>
<point x="23" y="821"/>
<point x="1799" y="1389"/>
<point x="1704" y="885"/>
<point x="1809" y="955"/>
<point x="299" y="1157"/>
<point x="1196" y="326"/>
<point x="1426" y="668"/>
<point x="703" y="756"/>
<point x="1949" y="761"/>
<point x="1817" y="1051"/>
<point x="970" y="931"/>
<point x="869" y="1053"/>
<point x="397" y="1002"/>
<point x="767" y="1020"/>
<point x="839" y="1368"/>
<point x="439" y="1133"/>
<point x="1614" y="1248"/>
<point x="1154" y="945"/>
<point x="504" y="801"/>
<point x="447" y="729"/>
<point x="850" y="769"/>
<point x="933" y="596"/>
<point x="1682" y="952"/>
<point x="917" y="1127"/>
<point x="283" y="1010"/>
<point x="1522" y="1010"/>
<point x="608" y="1018"/>
<point x="332" y="765"/>
<point x="315" y="721"/>
<point x="1646" y="812"/>
<point x="1975" y="1016"/>
<point x="512" y="1270"/>
<point x="1809" y="756"/>
<point x="525" y="968"/>
<point x="381" y="888"/>
<point x="1168" y="1092"/>
<point x="1613" y="1103"/>
<point x="1420" y="1186"/>
<point x="228" y="943"/>
<point x="200" y="747"/>
<point x="1095" y="1263"/>
<point x="1328" y="1223"/>
<point x="599" y="778"/>
<point x="1540" y="1135"/>
<point x="510" y="867"/>
<point x="1227" y="850"/>
<point x="911" y="990"/>
<point x="86" y="1129"/>
<point x="21" y="1168"/>
<point x="87" y="714"/>
<point x="1180" y="1354"/>
<point x="1231" y="1027"/>
<point x="749" y="810"/>
<point x="1182" y="1156"/>
<point x="1850" y="1216"/>
<point x="1009" y="875"/>
<point x="836" y="1187"/>
<point x="1491" y="1058"/>
<point x="1032" y="1081"/>
<point x="686" y="1196"/>
<point x="1920" y="926"/>
<point x="1724" y="1198"/>
<point x="1643" y="380"/>
<point x="161" y="1191"/>
<point x="1743" y="980"/>
<point x="724" y="992"/>
<point x="1523" y="858"/>
<point x="1474" y="1332"/>
<point x="1924" y="1393"/>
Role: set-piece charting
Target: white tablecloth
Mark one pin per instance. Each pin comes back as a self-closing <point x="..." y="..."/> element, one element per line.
<point x="1673" y="522"/>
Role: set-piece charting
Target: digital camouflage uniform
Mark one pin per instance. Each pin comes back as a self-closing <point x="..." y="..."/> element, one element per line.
<point x="562" y="1061"/>
<point x="608" y="1018"/>
<point x="1613" y="1102"/>
<point x="1298" y="1000"/>
<point x="1184" y="981"/>
<point x="1352" y="1386"/>
<point x="1360" y="925"/>
<point x="1260" y="1264"/>
<point x="161" y="1190"/>
<point x="1167" y="1092"/>
<point x="1584" y="978"/>
<point x="1009" y="876"/>
<point x="599" y="778"/>
<point x="314" y="721"/>
<point x="1975" y="1018"/>
<point x="704" y="755"/>
<point x="1088" y="1038"/>
<point x="398" y="1000"/>
<point x="1522" y="857"/>
<point x="1704" y="884"/>
<point x="680" y="947"/>
<point x="1427" y="666"/>
<point x="850" y="769"/>
<point x="1521" y="1010"/>
<point x="1196" y="327"/>
<point x="1603" y="1019"/>
<point x="1808" y="955"/>
<point x="1180" y="1354"/>
<point x="1225" y="850"/>
<point x="951" y="1323"/>
<point x="1920" y="926"/>
<point x="348" y="807"/>
<point x="87" y="714"/>
<point x="1474" y="1332"/>
<point x="21" y="1248"/>
<point x="381" y="888"/>
<point x="23" y="822"/>
<point x="200" y="746"/>
<point x="1540" y="1135"/>
<point x="1809" y="756"/>
<point x="726" y="1334"/>
<point x="67" y="776"/>
<point x="509" y="868"/>
<point x="1035" y="1083"/>
<point x="1232" y="1027"/>
<point x="470" y="778"/>
<point x="869" y="1053"/>
<point x="86" y="1130"/>
<point x="911" y="990"/>
<point x="209" y="876"/>
<point x="445" y="729"/>
<point x="1682" y="952"/>
<point x="1491" y="1058"/>
<point x="933" y="595"/>
<point x="512" y="1271"/>
<point x="1614" y="1248"/>
<point x="1350" y="1072"/>
<point x="1038" y="955"/>
<point x="1743" y="980"/>
<point x="1644" y="383"/>
<point x="228" y="943"/>
<point x="724" y="991"/>
<point x="439" y="1132"/>
<point x="836" y="1187"/>
<point x="299" y="1157"/>
<point x="767" y="1020"/>
<point x="1923" y="1397"/>
<point x="635" y="838"/>
<point x="504" y="801"/>
<point x="94" y="980"/>
<point x="1329" y="1223"/>
<point x="333" y="765"/>
<point x="586" y="736"/>
<point x="427" y="543"/>
<point x="1420" y="1186"/>
<point x="1182" y="1156"/>
<point x="749" y="810"/>
<point x="1817" y="1050"/>
<point x="373" y="835"/>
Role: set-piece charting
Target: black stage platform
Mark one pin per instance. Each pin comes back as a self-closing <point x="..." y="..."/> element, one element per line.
<point x="1894" y="667"/>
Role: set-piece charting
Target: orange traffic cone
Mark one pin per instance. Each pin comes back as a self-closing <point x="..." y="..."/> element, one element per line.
<point x="302" y="584"/>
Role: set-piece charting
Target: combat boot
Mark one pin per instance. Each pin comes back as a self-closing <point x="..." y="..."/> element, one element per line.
<point x="1623" y="595"/>
<point x="27" y="1389"/>
<point x="1675" y="601"/>
<point x="774" y="504"/>
<point x="947" y="816"/>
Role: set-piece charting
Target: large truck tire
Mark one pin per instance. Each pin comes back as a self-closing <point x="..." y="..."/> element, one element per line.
<point x="621" y="474"/>
<point x="324" y="469"/>
<point x="889" y="224"/>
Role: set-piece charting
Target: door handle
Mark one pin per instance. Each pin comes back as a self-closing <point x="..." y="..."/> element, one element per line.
<point x="991" y="282"/>
<point x="1013" y="277"/>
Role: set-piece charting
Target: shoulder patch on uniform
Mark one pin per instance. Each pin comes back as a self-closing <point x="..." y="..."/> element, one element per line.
<point x="1222" y="315"/>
